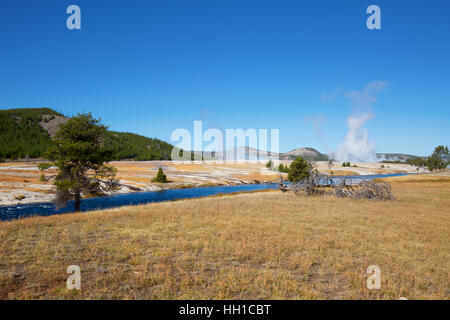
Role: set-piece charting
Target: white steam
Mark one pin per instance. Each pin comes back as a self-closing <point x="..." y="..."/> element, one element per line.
<point x="357" y="147"/>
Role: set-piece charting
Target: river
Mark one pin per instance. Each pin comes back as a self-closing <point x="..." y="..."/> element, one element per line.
<point x="47" y="209"/>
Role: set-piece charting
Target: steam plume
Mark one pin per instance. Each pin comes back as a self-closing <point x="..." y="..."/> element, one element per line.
<point x="357" y="147"/>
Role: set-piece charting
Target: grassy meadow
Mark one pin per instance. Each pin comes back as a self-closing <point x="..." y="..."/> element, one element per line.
<point x="261" y="245"/>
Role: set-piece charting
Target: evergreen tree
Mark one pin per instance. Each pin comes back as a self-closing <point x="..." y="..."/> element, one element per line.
<point x="160" y="176"/>
<point x="300" y="169"/>
<point x="437" y="161"/>
<point x="79" y="154"/>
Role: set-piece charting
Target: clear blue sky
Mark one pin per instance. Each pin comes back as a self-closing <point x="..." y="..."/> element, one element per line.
<point x="150" y="67"/>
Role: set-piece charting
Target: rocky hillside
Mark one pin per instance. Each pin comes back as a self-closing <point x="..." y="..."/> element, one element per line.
<point x="307" y="153"/>
<point x="27" y="132"/>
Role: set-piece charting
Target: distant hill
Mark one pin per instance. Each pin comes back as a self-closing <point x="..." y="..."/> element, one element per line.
<point x="247" y="153"/>
<point x="306" y="153"/>
<point x="402" y="157"/>
<point x="27" y="132"/>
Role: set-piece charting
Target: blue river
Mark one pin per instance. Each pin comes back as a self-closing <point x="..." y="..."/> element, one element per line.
<point x="47" y="209"/>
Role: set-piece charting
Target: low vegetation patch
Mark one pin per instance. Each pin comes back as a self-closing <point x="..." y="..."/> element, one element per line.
<point x="160" y="176"/>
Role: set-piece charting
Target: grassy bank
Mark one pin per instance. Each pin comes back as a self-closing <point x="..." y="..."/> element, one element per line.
<point x="256" y="245"/>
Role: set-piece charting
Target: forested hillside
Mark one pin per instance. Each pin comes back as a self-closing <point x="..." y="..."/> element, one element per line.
<point x="21" y="135"/>
<point x="133" y="146"/>
<point x="27" y="133"/>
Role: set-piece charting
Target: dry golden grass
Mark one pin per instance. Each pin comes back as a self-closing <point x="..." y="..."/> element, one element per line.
<point x="250" y="246"/>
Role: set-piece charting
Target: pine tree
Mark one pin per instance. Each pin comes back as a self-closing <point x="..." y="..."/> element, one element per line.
<point x="300" y="169"/>
<point x="160" y="176"/>
<point x="79" y="154"/>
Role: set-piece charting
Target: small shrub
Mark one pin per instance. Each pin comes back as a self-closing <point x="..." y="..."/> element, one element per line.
<point x="283" y="168"/>
<point x="300" y="169"/>
<point x="44" y="166"/>
<point x="160" y="176"/>
<point x="269" y="164"/>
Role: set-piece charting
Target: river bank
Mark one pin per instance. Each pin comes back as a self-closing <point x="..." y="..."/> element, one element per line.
<point x="20" y="184"/>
